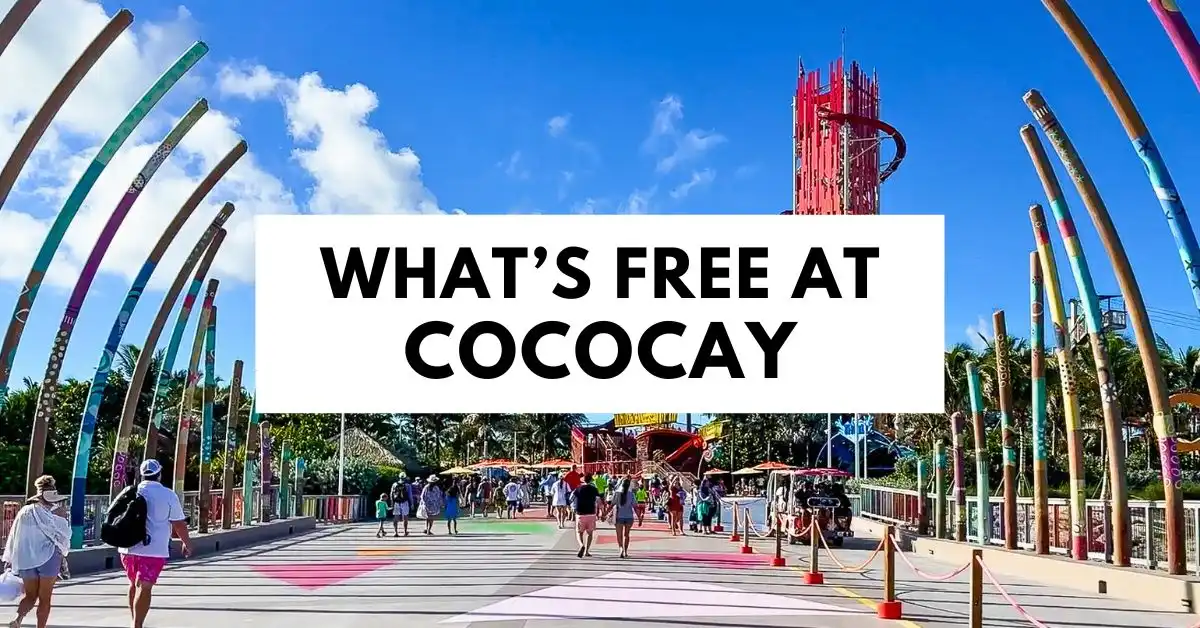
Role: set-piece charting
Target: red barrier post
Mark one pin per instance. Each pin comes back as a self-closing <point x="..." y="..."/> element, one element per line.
<point x="779" y="560"/>
<point x="735" y="537"/>
<point x="746" y="549"/>
<point x="975" y="619"/>
<point x="814" y="575"/>
<point x="889" y="607"/>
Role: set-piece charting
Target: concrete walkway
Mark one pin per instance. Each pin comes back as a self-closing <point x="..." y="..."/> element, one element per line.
<point x="511" y="574"/>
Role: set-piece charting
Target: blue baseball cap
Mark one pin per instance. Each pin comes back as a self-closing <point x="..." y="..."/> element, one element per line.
<point x="150" y="467"/>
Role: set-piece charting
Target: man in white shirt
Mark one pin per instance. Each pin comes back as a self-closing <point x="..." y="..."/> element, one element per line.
<point x="512" y="493"/>
<point x="143" y="563"/>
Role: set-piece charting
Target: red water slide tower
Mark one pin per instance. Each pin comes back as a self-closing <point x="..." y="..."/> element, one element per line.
<point x="837" y="138"/>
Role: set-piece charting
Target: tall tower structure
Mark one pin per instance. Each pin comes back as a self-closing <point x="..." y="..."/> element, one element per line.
<point x="837" y="138"/>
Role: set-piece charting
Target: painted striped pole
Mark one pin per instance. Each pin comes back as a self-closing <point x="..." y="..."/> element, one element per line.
<point x="957" y="426"/>
<point x="1008" y="438"/>
<point x="62" y="91"/>
<point x="1139" y="135"/>
<point x="1037" y="368"/>
<point x="983" y="490"/>
<point x="146" y="357"/>
<point x="163" y="378"/>
<point x="206" y="425"/>
<point x="48" y="395"/>
<point x="232" y="414"/>
<point x="187" y="399"/>
<point x="264" y="465"/>
<point x="1182" y="37"/>
<point x="54" y="237"/>
<point x="1114" y="424"/>
<point x="1156" y="383"/>
<point x="1066" y="376"/>
<point x="16" y="18"/>
<point x="248" y="466"/>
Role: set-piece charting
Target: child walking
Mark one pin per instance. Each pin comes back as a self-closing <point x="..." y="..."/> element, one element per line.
<point x="381" y="513"/>
<point x="452" y="509"/>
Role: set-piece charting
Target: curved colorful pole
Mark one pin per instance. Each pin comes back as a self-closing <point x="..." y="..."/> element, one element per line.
<point x="16" y="325"/>
<point x="206" y="424"/>
<point x="183" y="432"/>
<point x="91" y="409"/>
<point x="1164" y="422"/>
<point x="1110" y="406"/>
<point x="232" y="413"/>
<point x="983" y="490"/>
<point x="146" y="356"/>
<point x="15" y="19"/>
<point x="957" y="425"/>
<point x="163" y="380"/>
<point x="48" y="395"/>
<point x="1135" y="128"/>
<point x="45" y="255"/>
<point x="1037" y="373"/>
<point x="248" y="465"/>
<point x="58" y="96"/>
<point x="1066" y="376"/>
<point x="1181" y="35"/>
<point x="1008" y="439"/>
<point x="118" y="475"/>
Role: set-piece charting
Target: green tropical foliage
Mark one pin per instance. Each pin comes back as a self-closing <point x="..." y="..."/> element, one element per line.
<point x="379" y="446"/>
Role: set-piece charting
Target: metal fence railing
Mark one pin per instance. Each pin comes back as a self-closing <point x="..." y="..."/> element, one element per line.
<point x="324" y="508"/>
<point x="1148" y="523"/>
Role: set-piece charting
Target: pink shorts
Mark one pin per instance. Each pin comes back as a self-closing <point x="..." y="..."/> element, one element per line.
<point x="143" y="568"/>
<point x="585" y="523"/>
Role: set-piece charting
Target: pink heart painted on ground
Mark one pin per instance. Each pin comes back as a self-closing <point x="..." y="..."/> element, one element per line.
<point x="313" y="576"/>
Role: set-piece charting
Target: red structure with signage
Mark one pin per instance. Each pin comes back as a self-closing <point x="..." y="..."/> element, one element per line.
<point x="836" y="139"/>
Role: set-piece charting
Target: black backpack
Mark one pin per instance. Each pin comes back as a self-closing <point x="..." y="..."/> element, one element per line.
<point x="125" y="524"/>
<point x="399" y="493"/>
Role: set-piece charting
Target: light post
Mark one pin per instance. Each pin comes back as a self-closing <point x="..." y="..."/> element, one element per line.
<point x="342" y="457"/>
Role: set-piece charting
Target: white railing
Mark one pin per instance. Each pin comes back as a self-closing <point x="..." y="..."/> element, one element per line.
<point x="1147" y="519"/>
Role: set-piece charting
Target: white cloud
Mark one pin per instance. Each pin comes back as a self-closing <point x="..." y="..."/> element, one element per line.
<point x="351" y="166"/>
<point x="588" y="206"/>
<point x="252" y="83"/>
<point x="566" y="177"/>
<point x="557" y="125"/>
<point x="974" y="333"/>
<point x="699" y="178"/>
<point x="674" y="146"/>
<point x="746" y="171"/>
<point x="639" y="201"/>
<point x="513" y="166"/>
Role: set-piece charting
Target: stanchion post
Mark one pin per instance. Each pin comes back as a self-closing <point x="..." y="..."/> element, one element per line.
<point x="735" y="537"/>
<point x="746" y="549"/>
<point x="922" y="508"/>
<point x="939" y="490"/>
<point x="779" y="560"/>
<point x="718" y="528"/>
<point x="889" y="607"/>
<point x="976" y="616"/>
<point x="814" y="575"/>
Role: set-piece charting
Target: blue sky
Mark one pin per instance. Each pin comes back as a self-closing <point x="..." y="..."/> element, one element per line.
<point x="467" y="85"/>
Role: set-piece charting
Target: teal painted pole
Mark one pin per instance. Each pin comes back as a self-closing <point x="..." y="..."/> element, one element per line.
<point x="983" y="489"/>
<point x="58" y="230"/>
<point x="206" y="425"/>
<point x="91" y="410"/>
<point x="1037" y="344"/>
<point x="248" y="470"/>
<point x="939" y="490"/>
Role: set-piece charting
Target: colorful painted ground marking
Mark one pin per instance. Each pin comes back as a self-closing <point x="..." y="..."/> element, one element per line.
<point x="622" y="595"/>
<point x="312" y="576"/>
<point x="714" y="559"/>
<point x="381" y="551"/>
<point x="610" y="538"/>
<point x="506" y="526"/>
